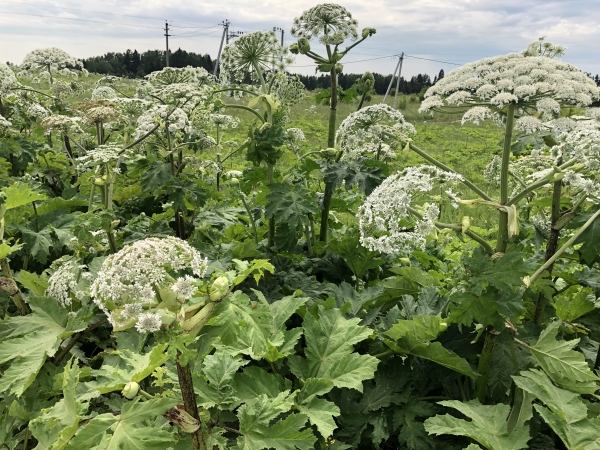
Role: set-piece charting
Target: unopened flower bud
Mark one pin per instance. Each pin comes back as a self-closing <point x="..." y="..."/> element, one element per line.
<point x="167" y="317"/>
<point x="303" y="46"/>
<point x="294" y="49"/>
<point x="466" y="223"/>
<point x="130" y="390"/>
<point x="366" y="32"/>
<point x="339" y="67"/>
<point x="219" y="288"/>
<point x="329" y="152"/>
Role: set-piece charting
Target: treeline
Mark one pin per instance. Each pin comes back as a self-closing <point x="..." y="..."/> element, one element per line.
<point x="132" y="64"/>
<point x="412" y="86"/>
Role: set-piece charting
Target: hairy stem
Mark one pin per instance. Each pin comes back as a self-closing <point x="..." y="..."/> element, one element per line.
<point x="565" y="246"/>
<point x="502" y="240"/>
<point x="67" y="348"/>
<point x="551" y="246"/>
<point x="485" y="363"/>
<point x="250" y="216"/>
<point x="9" y="286"/>
<point x="186" y="383"/>
<point x="272" y="218"/>
<point x="329" y="187"/>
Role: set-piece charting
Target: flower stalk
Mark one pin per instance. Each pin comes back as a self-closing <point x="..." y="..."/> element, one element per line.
<point x="502" y="240"/>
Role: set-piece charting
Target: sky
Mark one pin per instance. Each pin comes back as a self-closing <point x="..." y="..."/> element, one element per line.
<point x="450" y="32"/>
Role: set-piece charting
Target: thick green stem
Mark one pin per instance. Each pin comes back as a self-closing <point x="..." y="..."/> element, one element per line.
<point x="9" y="286"/>
<point x="502" y="240"/>
<point x="485" y="363"/>
<point x="272" y="218"/>
<point x="250" y="216"/>
<point x="551" y="246"/>
<point x="329" y="187"/>
<point x="92" y="191"/>
<point x="565" y="246"/>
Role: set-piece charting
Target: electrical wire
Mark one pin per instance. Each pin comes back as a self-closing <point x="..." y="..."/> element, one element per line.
<point x="80" y="20"/>
<point x="435" y="60"/>
<point x="82" y="10"/>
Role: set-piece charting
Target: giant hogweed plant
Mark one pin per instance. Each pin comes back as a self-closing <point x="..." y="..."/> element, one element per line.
<point x="332" y="24"/>
<point x="117" y="334"/>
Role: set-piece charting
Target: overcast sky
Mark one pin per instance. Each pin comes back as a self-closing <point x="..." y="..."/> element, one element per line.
<point x="452" y="32"/>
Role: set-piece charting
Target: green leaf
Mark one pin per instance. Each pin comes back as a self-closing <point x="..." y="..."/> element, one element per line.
<point x="320" y="412"/>
<point x="36" y="284"/>
<point x="489" y="308"/>
<point x="38" y="244"/>
<point x="125" y="433"/>
<point x="570" y="307"/>
<point x="359" y="259"/>
<point x="19" y="194"/>
<point x="589" y="250"/>
<point x="413" y="337"/>
<point x="290" y="204"/>
<point x="254" y="381"/>
<point x="488" y="425"/>
<point x="329" y="351"/>
<point x="566" y="367"/>
<point x="26" y="342"/>
<point x="565" y="412"/>
<point x="220" y="390"/>
<point x="412" y="434"/>
<point x="6" y="249"/>
<point x="55" y="426"/>
<point x="122" y="367"/>
<point x="285" y="434"/>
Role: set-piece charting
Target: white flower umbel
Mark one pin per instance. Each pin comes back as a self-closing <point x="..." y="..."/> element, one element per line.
<point x="385" y="217"/>
<point x="178" y="120"/>
<point x="61" y="123"/>
<point x="148" y="323"/>
<point x="50" y="60"/>
<point x="223" y="121"/>
<point x="63" y="282"/>
<point x="136" y="272"/>
<point x="184" y="287"/>
<point x="259" y="50"/>
<point x="536" y="84"/>
<point x="179" y="75"/>
<point x="372" y="132"/>
<point x="101" y="155"/>
<point x="8" y="80"/>
<point x="104" y="93"/>
<point x="326" y="16"/>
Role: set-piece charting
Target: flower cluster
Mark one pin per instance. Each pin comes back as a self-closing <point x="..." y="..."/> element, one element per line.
<point x="103" y="154"/>
<point x="385" y="217"/>
<point x="223" y="121"/>
<point x="8" y="80"/>
<point x="536" y="84"/>
<point x="49" y="59"/>
<point x="178" y="120"/>
<point x="61" y="123"/>
<point x="288" y="89"/>
<point x="104" y="93"/>
<point x="257" y="50"/>
<point x="36" y="110"/>
<point x="64" y="283"/>
<point x="128" y="280"/>
<point x="333" y="23"/>
<point x="177" y="75"/>
<point x="372" y="131"/>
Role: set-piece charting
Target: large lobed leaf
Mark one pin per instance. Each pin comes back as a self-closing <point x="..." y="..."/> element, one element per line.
<point x="488" y="425"/>
<point x="329" y="350"/>
<point x="566" y="367"/>
<point x="26" y="342"/>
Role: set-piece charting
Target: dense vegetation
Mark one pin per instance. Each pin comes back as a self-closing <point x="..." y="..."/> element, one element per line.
<point x="199" y="263"/>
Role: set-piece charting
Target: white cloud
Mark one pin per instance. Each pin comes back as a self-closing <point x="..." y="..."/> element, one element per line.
<point x="456" y="31"/>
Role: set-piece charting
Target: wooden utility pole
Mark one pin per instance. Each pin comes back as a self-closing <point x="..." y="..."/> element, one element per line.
<point x="167" y="41"/>
<point x="225" y="24"/>
<point x="398" y="80"/>
<point x="397" y="69"/>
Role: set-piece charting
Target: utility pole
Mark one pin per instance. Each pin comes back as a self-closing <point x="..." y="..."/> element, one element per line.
<point x="398" y="66"/>
<point x="167" y="39"/>
<point x="225" y="24"/>
<point x="276" y="29"/>
<point x="398" y="80"/>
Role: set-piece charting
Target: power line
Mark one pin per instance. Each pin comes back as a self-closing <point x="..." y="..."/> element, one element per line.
<point x="79" y="20"/>
<point x="88" y="11"/>
<point x="79" y="9"/>
<point x="435" y="60"/>
<point x="352" y="62"/>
